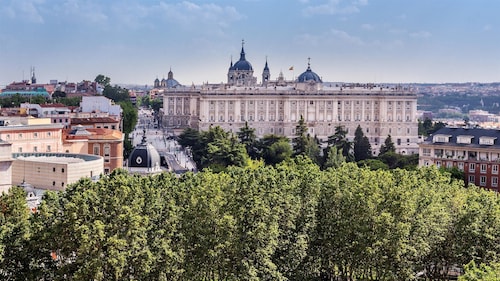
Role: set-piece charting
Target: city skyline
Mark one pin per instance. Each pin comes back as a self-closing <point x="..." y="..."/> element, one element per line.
<point x="134" y="42"/>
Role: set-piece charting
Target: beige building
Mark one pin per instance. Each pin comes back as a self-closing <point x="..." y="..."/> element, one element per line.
<point x="54" y="171"/>
<point x="275" y="107"/>
<point x="29" y="134"/>
<point x="5" y="166"/>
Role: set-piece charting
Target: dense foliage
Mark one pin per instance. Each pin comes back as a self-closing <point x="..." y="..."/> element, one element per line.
<point x="290" y="221"/>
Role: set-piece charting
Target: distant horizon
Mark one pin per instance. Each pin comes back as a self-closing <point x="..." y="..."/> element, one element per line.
<point x="361" y="41"/>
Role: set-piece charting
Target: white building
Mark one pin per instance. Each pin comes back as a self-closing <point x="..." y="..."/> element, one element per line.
<point x="96" y="104"/>
<point x="275" y="107"/>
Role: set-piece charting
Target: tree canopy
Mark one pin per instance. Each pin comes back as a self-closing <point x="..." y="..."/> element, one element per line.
<point x="291" y="221"/>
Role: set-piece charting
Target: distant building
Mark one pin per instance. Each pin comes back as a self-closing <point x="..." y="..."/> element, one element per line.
<point x="170" y="82"/>
<point x="276" y="105"/>
<point x="5" y="166"/>
<point x="106" y="143"/>
<point x="474" y="151"/>
<point x="96" y="104"/>
<point x="54" y="171"/>
<point x="29" y="134"/>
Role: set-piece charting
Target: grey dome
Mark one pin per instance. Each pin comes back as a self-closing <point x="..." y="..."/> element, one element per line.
<point x="144" y="155"/>
<point x="242" y="64"/>
<point x="171" y="83"/>
<point x="308" y="76"/>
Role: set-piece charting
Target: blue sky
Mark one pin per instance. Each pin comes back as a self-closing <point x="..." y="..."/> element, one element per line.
<point x="136" y="41"/>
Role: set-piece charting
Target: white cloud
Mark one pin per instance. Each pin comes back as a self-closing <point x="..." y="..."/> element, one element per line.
<point x="346" y="37"/>
<point x="23" y="10"/>
<point x="190" y="14"/>
<point x="336" y="7"/>
<point x="421" y="34"/>
<point x="367" y="26"/>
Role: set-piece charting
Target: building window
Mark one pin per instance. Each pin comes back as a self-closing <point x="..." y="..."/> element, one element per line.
<point x="20" y="149"/>
<point x="49" y="134"/>
<point x="494" y="181"/>
<point x="20" y="136"/>
<point x="62" y="170"/>
<point x="54" y="169"/>
<point x="472" y="179"/>
<point x="96" y="150"/>
<point x="494" y="169"/>
<point x="35" y="149"/>
<point x="48" y="148"/>
<point x="461" y="166"/>
<point x="472" y="167"/>
<point x="62" y="184"/>
<point x="53" y="183"/>
<point x="35" y="135"/>
<point x="482" y="181"/>
<point x="483" y="168"/>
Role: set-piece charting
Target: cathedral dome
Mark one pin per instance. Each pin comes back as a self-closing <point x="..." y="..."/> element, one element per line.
<point x="144" y="155"/>
<point x="242" y="64"/>
<point x="309" y="76"/>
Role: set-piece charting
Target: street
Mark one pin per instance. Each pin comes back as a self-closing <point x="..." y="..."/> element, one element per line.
<point x="177" y="159"/>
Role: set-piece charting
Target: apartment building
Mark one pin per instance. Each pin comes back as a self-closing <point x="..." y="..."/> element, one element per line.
<point x="474" y="151"/>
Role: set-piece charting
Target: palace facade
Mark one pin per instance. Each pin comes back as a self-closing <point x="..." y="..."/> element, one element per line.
<point x="276" y="106"/>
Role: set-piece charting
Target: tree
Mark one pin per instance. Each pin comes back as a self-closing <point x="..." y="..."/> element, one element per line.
<point x="333" y="157"/>
<point x="362" y="147"/>
<point x="116" y="93"/>
<point x="274" y="149"/>
<point x="14" y="235"/>
<point x="102" y="80"/>
<point x="387" y="146"/>
<point x="339" y="139"/>
<point x="59" y="94"/>
<point x="303" y="143"/>
<point x="481" y="272"/>
<point x="129" y="116"/>
<point x="247" y="137"/>
<point x="156" y="104"/>
<point x="373" y="164"/>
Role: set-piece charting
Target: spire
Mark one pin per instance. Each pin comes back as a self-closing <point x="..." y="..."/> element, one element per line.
<point x="266" y="67"/>
<point x="242" y="54"/>
<point x="231" y="65"/>
<point x="33" y="78"/>
<point x="170" y="74"/>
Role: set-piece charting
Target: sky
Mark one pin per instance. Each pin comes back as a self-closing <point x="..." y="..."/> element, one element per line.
<point x="137" y="41"/>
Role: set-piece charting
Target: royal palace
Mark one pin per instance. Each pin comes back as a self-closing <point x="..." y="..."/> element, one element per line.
<point x="274" y="106"/>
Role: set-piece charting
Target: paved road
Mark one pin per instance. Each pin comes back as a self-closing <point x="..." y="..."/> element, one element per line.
<point x="174" y="154"/>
